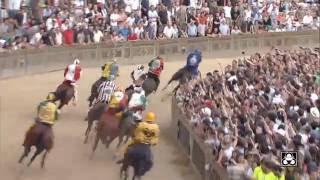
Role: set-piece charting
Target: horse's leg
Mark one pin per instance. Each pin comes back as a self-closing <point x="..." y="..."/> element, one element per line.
<point x="109" y="141"/>
<point x="95" y="145"/>
<point x="39" y="150"/>
<point x="24" y="154"/>
<point x="176" y="89"/>
<point x="120" y="139"/>
<point x="44" y="159"/>
<point x="88" y="132"/>
<point x="60" y="106"/>
<point x="124" y="171"/>
<point x="127" y="139"/>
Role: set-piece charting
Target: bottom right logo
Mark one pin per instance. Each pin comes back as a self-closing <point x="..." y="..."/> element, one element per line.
<point x="289" y="158"/>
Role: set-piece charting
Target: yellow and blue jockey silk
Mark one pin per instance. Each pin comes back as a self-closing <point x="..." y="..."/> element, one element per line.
<point x="147" y="133"/>
<point x="47" y="112"/>
<point x="110" y="68"/>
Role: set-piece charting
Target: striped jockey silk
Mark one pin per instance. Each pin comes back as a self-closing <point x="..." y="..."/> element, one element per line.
<point x="105" y="91"/>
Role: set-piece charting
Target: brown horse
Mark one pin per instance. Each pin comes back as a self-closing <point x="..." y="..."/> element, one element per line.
<point x="39" y="135"/>
<point x="94" y="114"/>
<point x="107" y="129"/>
<point x="64" y="93"/>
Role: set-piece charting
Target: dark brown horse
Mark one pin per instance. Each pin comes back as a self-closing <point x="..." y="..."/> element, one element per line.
<point x="39" y="135"/>
<point x="64" y="93"/>
<point x="139" y="156"/>
<point x="94" y="114"/>
<point x="183" y="76"/>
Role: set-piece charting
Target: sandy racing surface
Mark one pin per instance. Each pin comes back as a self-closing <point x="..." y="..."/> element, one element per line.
<point x="69" y="159"/>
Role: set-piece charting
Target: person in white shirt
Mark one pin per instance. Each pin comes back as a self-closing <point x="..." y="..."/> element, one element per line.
<point x="176" y="31"/>
<point x="154" y="3"/>
<point x="227" y="10"/>
<point x="130" y="20"/>
<point x="307" y="20"/>
<point x="97" y="35"/>
<point x="153" y="18"/>
<point x="169" y="31"/>
<point x="58" y="37"/>
<point x="193" y="3"/>
<point x="114" y="18"/>
<point x="49" y="23"/>
<point x="235" y="30"/>
<point x="35" y="40"/>
<point x="139" y="31"/>
<point x="224" y="29"/>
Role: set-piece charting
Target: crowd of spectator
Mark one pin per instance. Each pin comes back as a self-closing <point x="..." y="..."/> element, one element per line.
<point x="250" y="111"/>
<point x="26" y="24"/>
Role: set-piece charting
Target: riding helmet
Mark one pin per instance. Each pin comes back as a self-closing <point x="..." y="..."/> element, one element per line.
<point x="150" y="117"/>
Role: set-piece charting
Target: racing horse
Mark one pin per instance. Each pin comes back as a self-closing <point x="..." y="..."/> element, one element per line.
<point x="148" y="83"/>
<point x="139" y="156"/>
<point x="41" y="136"/>
<point x="108" y="127"/>
<point x="183" y="75"/>
<point x="94" y="114"/>
<point x="64" y="93"/>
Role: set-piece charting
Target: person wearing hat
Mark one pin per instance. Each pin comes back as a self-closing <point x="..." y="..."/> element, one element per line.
<point x="146" y="132"/>
<point x="109" y="72"/>
<point x="72" y="74"/>
<point x="156" y="66"/>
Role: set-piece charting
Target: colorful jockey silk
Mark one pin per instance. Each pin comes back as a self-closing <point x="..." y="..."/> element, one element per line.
<point x="47" y="112"/>
<point x="138" y="99"/>
<point x="72" y="73"/>
<point x="156" y="66"/>
<point x="193" y="61"/>
<point x="146" y="133"/>
<point x="110" y="70"/>
<point x="117" y="100"/>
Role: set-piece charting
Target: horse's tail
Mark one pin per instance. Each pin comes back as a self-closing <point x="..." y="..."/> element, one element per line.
<point x="65" y="93"/>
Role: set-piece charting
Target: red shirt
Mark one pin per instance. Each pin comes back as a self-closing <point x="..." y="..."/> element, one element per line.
<point x="68" y="36"/>
<point x="132" y="37"/>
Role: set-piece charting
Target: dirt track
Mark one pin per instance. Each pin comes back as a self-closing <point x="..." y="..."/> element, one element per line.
<point x="69" y="160"/>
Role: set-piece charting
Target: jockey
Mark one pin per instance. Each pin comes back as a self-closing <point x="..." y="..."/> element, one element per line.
<point x="155" y="68"/>
<point x="193" y="61"/>
<point x="118" y="103"/>
<point x="136" y="105"/>
<point x="138" y="75"/>
<point x="146" y="132"/>
<point x="72" y="74"/>
<point x="110" y="70"/>
<point x="47" y="111"/>
<point x="105" y="90"/>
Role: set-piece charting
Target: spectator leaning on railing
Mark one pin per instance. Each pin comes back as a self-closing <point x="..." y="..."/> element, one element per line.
<point x="110" y="20"/>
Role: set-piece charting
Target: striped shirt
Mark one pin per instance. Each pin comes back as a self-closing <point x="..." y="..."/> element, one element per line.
<point x="105" y="90"/>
